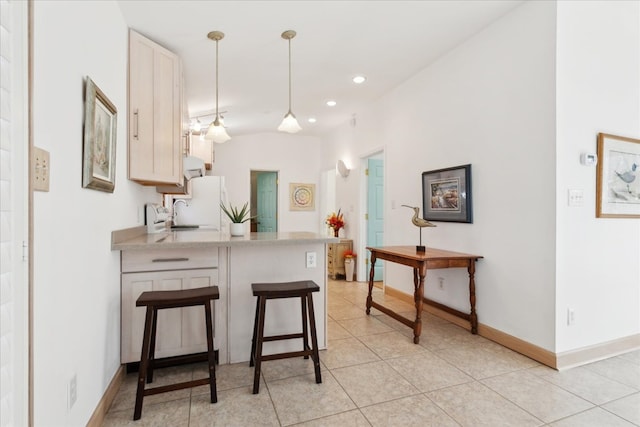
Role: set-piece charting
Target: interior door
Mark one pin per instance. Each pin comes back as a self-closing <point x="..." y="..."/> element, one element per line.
<point x="267" y="211"/>
<point x="375" y="209"/>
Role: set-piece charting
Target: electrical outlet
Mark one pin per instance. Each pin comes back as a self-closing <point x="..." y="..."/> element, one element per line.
<point x="40" y="169"/>
<point x="73" y="390"/>
<point x="441" y="283"/>
<point x="571" y="316"/>
<point x="311" y="260"/>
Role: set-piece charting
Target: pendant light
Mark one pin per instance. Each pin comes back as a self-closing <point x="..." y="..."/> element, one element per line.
<point x="216" y="130"/>
<point x="289" y="123"/>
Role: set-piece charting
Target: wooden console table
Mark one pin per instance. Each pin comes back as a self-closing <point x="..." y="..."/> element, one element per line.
<point x="421" y="262"/>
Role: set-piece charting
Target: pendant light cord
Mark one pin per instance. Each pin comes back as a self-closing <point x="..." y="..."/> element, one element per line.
<point x="217" y="74"/>
<point x="289" y="75"/>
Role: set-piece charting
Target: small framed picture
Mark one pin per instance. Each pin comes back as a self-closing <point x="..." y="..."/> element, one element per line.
<point x="99" y="151"/>
<point x="302" y="197"/>
<point x="618" y="177"/>
<point x="446" y="194"/>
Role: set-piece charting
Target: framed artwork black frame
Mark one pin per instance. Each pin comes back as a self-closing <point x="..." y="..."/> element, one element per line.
<point x="446" y="194"/>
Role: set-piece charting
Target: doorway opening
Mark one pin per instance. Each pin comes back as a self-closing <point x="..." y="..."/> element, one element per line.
<point x="264" y="200"/>
<point x="372" y="203"/>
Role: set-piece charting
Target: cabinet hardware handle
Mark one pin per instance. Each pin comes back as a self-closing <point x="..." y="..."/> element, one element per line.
<point x="170" y="259"/>
<point x="135" y="124"/>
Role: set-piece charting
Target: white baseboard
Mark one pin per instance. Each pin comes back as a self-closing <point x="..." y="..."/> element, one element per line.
<point x="593" y="353"/>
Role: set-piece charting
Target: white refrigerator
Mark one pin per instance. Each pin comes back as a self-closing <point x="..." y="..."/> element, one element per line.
<point x="203" y="208"/>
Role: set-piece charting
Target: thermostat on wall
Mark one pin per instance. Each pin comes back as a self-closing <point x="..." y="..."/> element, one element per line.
<point x="588" y="159"/>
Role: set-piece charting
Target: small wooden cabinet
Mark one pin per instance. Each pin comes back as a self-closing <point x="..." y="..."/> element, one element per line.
<point x="180" y="330"/>
<point x="335" y="257"/>
<point x="155" y="109"/>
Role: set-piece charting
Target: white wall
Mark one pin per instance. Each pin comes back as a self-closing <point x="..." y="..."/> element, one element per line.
<point x="490" y="102"/>
<point x="76" y="283"/>
<point x="598" y="80"/>
<point x="295" y="158"/>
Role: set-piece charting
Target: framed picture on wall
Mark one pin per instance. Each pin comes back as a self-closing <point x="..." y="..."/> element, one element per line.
<point x="617" y="178"/>
<point x="302" y="197"/>
<point x="99" y="150"/>
<point x="446" y="194"/>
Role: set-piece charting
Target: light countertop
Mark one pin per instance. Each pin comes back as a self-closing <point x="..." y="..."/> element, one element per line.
<point x="137" y="238"/>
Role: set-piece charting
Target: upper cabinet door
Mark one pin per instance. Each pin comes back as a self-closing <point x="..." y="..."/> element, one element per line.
<point x="155" y="125"/>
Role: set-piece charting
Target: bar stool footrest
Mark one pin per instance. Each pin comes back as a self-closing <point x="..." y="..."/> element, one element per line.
<point x="177" y="386"/>
<point x="283" y="337"/>
<point x="287" y="355"/>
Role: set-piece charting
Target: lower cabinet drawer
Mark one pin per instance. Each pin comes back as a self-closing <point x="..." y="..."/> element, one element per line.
<point x="168" y="259"/>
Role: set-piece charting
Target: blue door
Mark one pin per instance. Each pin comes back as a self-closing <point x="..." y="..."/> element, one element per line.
<point x="375" y="210"/>
<point x="267" y="211"/>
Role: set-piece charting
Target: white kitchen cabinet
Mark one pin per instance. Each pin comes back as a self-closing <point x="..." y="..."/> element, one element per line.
<point x="180" y="330"/>
<point x="155" y="122"/>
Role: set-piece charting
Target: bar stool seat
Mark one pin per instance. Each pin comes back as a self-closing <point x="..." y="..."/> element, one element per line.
<point x="158" y="300"/>
<point x="266" y="291"/>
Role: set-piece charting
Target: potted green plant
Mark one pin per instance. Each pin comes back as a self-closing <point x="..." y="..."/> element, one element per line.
<point x="238" y="217"/>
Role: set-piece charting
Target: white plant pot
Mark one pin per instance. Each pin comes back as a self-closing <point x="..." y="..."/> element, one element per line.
<point x="237" y="228"/>
<point x="349" y="264"/>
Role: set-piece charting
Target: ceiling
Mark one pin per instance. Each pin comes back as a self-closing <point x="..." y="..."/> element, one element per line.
<point x="386" y="41"/>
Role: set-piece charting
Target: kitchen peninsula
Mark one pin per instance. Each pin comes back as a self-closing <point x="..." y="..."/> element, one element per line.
<point x="200" y="257"/>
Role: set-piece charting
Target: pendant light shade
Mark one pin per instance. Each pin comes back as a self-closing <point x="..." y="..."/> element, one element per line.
<point x="289" y="123"/>
<point x="216" y="130"/>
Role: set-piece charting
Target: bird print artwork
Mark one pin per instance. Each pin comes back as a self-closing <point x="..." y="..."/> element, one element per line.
<point x="628" y="176"/>
<point x="420" y="223"/>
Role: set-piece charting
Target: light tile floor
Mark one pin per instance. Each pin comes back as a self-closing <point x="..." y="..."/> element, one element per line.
<point x="373" y="375"/>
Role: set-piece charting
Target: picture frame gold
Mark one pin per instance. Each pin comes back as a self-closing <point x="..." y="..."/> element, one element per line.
<point x="302" y="197"/>
<point x="618" y="177"/>
<point x="100" y="137"/>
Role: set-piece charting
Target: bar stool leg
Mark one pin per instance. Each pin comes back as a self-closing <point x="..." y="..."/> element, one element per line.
<point x="144" y="360"/>
<point x="258" y="354"/>
<point x="212" y="360"/>
<point x="252" y="357"/>
<point x="305" y="330"/>
<point x="152" y="346"/>
<point x="314" y="340"/>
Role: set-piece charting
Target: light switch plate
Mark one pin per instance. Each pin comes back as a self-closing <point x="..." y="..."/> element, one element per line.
<point x="576" y="197"/>
<point x="40" y="169"/>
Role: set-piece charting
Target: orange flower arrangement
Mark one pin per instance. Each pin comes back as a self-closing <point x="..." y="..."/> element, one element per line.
<point x="349" y="254"/>
<point x="335" y="221"/>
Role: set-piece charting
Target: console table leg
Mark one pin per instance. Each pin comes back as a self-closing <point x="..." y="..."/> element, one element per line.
<point x="473" y="316"/>
<point x="371" y="275"/>
<point x="418" y="284"/>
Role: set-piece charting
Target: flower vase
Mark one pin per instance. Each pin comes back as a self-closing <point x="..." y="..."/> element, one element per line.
<point x="336" y="231"/>
<point x="349" y="264"/>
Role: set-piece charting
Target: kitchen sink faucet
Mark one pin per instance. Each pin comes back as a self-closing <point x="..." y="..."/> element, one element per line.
<point x="174" y="212"/>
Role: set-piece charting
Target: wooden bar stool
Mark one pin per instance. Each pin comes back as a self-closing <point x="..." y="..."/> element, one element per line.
<point x="266" y="291"/>
<point x="158" y="300"/>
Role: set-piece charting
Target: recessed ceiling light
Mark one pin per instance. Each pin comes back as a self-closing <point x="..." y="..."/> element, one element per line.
<point x="359" y="79"/>
<point x="312" y="120"/>
<point x="331" y="103"/>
